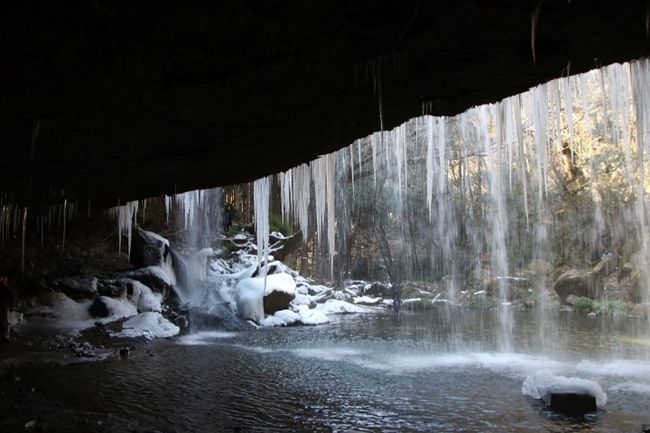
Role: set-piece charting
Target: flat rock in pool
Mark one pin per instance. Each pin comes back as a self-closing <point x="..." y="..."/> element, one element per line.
<point x="570" y="402"/>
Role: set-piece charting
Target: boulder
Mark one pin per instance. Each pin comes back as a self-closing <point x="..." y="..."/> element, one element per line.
<point x="112" y="288"/>
<point x="154" y="277"/>
<point x="515" y="287"/>
<point x="103" y="306"/>
<point x="259" y="295"/>
<point x="148" y="249"/>
<point x="77" y="288"/>
<point x="279" y="292"/>
<point x="581" y="283"/>
<point x="99" y="307"/>
<point x="570" y="402"/>
<point x="607" y="265"/>
<point x="565" y="394"/>
<point x="276" y="301"/>
<point x="377" y="289"/>
<point x="624" y="272"/>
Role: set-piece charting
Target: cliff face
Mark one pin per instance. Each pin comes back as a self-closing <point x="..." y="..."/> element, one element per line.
<point x="110" y="99"/>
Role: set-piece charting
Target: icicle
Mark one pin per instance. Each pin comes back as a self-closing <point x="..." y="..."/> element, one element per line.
<point x="65" y="218"/>
<point x="373" y="145"/>
<point x="533" y="30"/>
<point x="24" y="231"/>
<point x="320" y="194"/>
<point x="352" y="166"/>
<point x="516" y="104"/>
<point x="429" y="128"/>
<point x="330" y="170"/>
<point x="568" y="108"/>
<point x="442" y="165"/>
<point x="125" y="215"/>
<point x="168" y="204"/>
<point x="261" y="194"/>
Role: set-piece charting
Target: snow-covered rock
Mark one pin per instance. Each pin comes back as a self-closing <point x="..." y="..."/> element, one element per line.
<point x="254" y="296"/>
<point x="144" y="298"/>
<point x="270" y="321"/>
<point x="149" y="325"/>
<point x="335" y="306"/>
<point x="287" y="316"/>
<point x="544" y="385"/>
<point x="115" y="308"/>
<point x="312" y="316"/>
<point x="366" y="300"/>
<point x="249" y="297"/>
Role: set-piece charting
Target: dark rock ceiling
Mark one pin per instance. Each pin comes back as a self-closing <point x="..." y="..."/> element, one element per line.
<point x="111" y="99"/>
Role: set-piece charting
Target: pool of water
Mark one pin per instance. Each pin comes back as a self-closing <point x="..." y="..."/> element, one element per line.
<point x="436" y="371"/>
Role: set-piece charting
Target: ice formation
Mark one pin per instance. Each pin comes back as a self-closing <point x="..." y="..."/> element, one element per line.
<point x="149" y="325"/>
<point x="261" y="193"/>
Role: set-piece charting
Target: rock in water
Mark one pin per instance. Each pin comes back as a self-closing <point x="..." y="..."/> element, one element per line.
<point x="565" y="394"/>
<point x="570" y="402"/>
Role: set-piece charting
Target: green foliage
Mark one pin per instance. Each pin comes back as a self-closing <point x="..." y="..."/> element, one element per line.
<point x="584" y="305"/>
<point x="481" y="302"/>
<point x="277" y="224"/>
<point x="610" y="308"/>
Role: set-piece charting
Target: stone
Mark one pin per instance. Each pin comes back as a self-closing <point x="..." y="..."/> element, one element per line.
<point x="154" y="277"/>
<point x="607" y="265"/>
<point x="77" y="288"/>
<point x="276" y="301"/>
<point x="99" y="307"/>
<point x="148" y="249"/>
<point x="112" y="288"/>
<point x="377" y="289"/>
<point x="124" y="352"/>
<point x="570" y="402"/>
<point x="625" y="271"/>
<point x="584" y="283"/>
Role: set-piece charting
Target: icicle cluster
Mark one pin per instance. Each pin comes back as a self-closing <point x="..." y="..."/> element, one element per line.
<point x="125" y="216"/>
<point x="505" y="154"/>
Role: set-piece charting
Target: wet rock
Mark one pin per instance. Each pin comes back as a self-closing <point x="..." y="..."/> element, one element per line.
<point x="103" y="306"/>
<point x="607" y="265"/>
<point x="124" y="353"/>
<point x="570" y="402"/>
<point x="624" y="272"/>
<point x="641" y="311"/>
<point x="154" y="277"/>
<point x="217" y="316"/>
<point x="148" y="249"/>
<point x="99" y="307"/>
<point x="77" y="287"/>
<point x="538" y="267"/>
<point x="276" y="301"/>
<point x="112" y="288"/>
<point x="377" y="289"/>
<point x="515" y="287"/>
<point x="645" y="428"/>
<point x="581" y="283"/>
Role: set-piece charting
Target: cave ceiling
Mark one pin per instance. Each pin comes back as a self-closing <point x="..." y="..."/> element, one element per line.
<point x="113" y="100"/>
